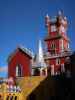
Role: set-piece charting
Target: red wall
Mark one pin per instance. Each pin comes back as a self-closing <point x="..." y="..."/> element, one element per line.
<point x="53" y="62"/>
<point x="53" y="34"/>
<point x="19" y="58"/>
<point x="56" y="41"/>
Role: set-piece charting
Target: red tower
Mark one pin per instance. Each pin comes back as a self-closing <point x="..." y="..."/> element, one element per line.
<point x="57" y="42"/>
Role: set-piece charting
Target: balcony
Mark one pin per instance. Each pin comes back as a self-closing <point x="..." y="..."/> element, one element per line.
<point x="47" y="55"/>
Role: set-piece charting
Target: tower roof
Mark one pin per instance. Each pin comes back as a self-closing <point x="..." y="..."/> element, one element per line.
<point x="40" y="57"/>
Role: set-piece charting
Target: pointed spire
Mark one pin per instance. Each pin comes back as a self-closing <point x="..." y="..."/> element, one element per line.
<point x="41" y="56"/>
<point x="40" y="51"/>
<point x="47" y="19"/>
<point x="59" y="12"/>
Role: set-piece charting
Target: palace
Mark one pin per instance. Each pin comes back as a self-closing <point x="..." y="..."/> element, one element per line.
<point x="51" y="61"/>
<point x="29" y="75"/>
<point x="57" y="51"/>
<point x="57" y="42"/>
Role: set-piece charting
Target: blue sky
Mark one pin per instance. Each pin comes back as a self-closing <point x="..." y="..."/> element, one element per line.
<point x="22" y="23"/>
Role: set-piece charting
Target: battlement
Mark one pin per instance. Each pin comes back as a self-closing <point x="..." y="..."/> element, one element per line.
<point x="57" y="23"/>
<point x="63" y="54"/>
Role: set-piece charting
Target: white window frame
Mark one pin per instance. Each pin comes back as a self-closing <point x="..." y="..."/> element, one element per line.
<point x="53" y="45"/>
<point x="57" y="61"/>
<point x="62" y="29"/>
<point x="53" y="28"/>
<point x="17" y="70"/>
<point x="68" y="46"/>
<point x="52" y="70"/>
<point x="62" y="68"/>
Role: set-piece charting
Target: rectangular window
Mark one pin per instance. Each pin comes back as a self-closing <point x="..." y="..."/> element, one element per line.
<point x="52" y="52"/>
<point x="61" y="44"/>
<point x="53" y="46"/>
<point x="57" y="61"/>
<point x="68" y="45"/>
<point x="53" y="28"/>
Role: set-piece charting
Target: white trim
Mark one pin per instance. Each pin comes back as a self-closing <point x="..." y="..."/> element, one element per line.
<point x="17" y="71"/>
<point x="52" y="70"/>
<point x="53" y="28"/>
<point x="62" y="68"/>
<point x="62" y="43"/>
<point x="57" y="61"/>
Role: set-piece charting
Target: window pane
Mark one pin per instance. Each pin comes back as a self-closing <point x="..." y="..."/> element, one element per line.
<point x="53" y="28"/>
<point x="57" y="61"/>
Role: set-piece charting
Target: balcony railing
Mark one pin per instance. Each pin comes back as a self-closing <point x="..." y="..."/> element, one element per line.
<point x="63" y="54"/>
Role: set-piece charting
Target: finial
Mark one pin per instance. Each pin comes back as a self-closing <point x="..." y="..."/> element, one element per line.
<point x="47" y="20"/>
<point x="47" y="15"/>
<point x="60" y="12"/>
<point x="65" y="18"/>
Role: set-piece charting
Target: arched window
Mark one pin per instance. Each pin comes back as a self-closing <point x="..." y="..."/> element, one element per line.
<point x="15" y="98"/>
<point x="7" y="98"/>
<point x="18" y="70"/>
<point x="57" y="61"/>
<point x="53" y="46"/>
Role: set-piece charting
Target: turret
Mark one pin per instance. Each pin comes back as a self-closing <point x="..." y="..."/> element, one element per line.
<point x="57" y="41"/>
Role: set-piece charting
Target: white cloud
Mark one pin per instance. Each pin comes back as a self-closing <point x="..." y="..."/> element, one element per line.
<point x="3" y="69"/>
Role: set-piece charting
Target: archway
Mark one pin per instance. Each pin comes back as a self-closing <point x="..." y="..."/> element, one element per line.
<point x="36" y="72"/>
